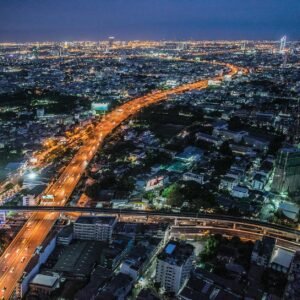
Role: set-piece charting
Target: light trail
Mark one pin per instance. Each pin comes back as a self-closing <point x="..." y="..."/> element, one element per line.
<point x="41" y="222"/>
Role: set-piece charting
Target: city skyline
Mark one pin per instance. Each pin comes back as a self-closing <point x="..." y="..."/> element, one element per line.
<point x="178" y="20"/>
<point x="149" y="149"/>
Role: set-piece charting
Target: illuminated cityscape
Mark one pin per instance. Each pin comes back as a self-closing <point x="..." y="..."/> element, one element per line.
<point x="149" y="168"/>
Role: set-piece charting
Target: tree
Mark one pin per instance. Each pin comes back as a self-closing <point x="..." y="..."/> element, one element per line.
<point x="173" y="195"/>
<point x="197" y="195"/>
<point x="235" y="123"/>
<point x="126" y="184"/>
<point x="225" y="149"/>
<point x="275" y="145"/>
<point x="222" y="165"/>
<point x="92" y="191"/>
<point x="211" y="246"/>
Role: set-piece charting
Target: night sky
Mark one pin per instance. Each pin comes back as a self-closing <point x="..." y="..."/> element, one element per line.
<point x="59" y="20"/>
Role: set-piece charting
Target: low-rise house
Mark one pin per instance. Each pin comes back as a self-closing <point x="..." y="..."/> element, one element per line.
<point x="228" y="183"/>
<point x="240" y="192"/>
<point x="140" y="256"/>
<point x="256" y="142"/>
<point x="262" y="251"/>
<point x="190" y="154"/>
<point x="112" y="256"/>
<point x="200" y="136"/>
<point x="189" y="176"/>
<point x="226" y="134"/>
<point x="206" y="285"/>
<point x="117" y="288"/>
<point x="281" y="260"/>
<point x="292" y="290"/>
<point x="43" y="285"/>
<point x="259" y="181"/>
<point x="99" y="277"/>
<point x="242" y="150"/>
<point x="290" y="210"/>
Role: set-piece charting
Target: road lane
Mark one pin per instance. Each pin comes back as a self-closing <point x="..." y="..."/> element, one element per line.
<point x="61" y="190"/>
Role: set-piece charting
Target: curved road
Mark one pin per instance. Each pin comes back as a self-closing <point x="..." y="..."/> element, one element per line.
<point x="18" y="253"/>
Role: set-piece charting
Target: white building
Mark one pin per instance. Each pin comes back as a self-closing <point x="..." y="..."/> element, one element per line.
<point x="214" y="82"/>
<point x="29" y="200"/>
<point x="44" y="284"/>
<point x="289" y="209"/>
<point x="32" y="268"/>
<point x="174" y="264"/>
<point x="189" y="176"/>
<point x="228" y="183"/>
<point x="226" y="134"/>
<point x="259" y="182"/>
<point x="281" y="260"/>
<point x="2" y="217"/>
<point x="240" y="192"/>
<point x="156" y="182"/>
<point x="94" y="228"/>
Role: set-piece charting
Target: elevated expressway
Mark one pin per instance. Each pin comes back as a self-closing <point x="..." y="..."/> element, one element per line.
<point x="189" y="224"/>
<point x="16" y="256"/>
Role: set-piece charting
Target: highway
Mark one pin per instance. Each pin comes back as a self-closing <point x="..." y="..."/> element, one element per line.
<point x="33" y="233"/>
<point x="199" y="222"/>
<point x="150" y="213"/>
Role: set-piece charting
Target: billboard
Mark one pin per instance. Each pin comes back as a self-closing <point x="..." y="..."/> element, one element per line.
<point x="100" y="106"/>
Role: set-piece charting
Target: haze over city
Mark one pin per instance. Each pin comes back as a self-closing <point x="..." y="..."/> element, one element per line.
<point x="55" y="20"/>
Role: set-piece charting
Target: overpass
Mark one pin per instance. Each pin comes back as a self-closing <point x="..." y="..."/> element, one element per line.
<point x="192" y="222"/>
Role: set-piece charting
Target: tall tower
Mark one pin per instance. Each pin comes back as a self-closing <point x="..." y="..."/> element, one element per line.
<point x="243" y="46"/>
<point x="282" y="44"/>
<point x="111" y="41"/>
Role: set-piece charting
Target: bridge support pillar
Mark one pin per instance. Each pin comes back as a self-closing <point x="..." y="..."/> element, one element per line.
<point x="234" y="226"/>
<point x="297" y="239"/>
<point x="175" y="222"/>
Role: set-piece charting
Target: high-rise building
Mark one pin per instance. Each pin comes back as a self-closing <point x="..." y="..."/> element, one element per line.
<point x="287" y="171"/>
<point x="29" y="200"/>
<point x="174" y="264"/>
<point x="111" y="41"/>
<point x="282" y="44"/>
<point x="94" y="228"/>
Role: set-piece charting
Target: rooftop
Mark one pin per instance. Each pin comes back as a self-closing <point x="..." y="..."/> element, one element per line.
<point x="45" y="280"/>
<point x="79" y="258"/>
<point x="282" y="257"/>
<point x="96" y="220"/>
<point x="176" y="252"/>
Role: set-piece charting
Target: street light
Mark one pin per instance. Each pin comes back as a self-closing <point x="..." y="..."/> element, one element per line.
<point x="32" y="175"/>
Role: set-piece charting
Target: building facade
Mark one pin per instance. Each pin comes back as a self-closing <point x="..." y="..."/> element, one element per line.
<point x="94" y="228"/>
<point x="174" y="264"/>
<point x="287" y="171"/>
